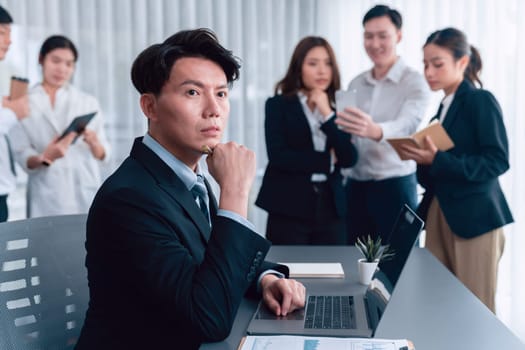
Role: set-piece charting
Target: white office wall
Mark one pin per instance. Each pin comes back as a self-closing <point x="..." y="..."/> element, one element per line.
<point x="109" y="34"/>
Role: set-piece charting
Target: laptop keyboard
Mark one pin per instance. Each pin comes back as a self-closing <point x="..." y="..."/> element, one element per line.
<point x="330" y="312"/>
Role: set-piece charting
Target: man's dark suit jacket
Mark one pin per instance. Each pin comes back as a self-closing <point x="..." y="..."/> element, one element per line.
<point x="159" y="277"/>
<point x="287" y="187"/>
<point x="465" y="178"/>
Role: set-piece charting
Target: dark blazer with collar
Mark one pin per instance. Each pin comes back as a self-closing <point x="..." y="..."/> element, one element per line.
<point x="287" y="187"/>
<point x="159" y="277"/>
<point x="465" y="178"/>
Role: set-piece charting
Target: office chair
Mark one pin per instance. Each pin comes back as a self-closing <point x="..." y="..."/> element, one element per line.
<point x="43" y="282"/>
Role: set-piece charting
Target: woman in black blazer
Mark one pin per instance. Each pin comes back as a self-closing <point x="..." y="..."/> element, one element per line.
<point x="463" y="204"/>
<point x="302" y="187"/>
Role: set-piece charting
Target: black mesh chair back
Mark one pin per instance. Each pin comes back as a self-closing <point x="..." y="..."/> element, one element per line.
<point x="43" y="282"/>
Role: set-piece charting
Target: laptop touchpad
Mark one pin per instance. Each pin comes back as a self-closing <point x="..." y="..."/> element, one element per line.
<point x="263" y="313"/>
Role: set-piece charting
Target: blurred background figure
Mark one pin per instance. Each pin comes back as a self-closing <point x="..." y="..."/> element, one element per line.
<point x="391" y="101"/>
<point x="463" y="206"/>
<point x="63" y="173"/>
<point x="302" y="187"/>
<point x="10" y="111"/>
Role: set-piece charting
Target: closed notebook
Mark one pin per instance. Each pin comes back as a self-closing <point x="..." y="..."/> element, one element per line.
<point x="436" y="132"/>
<point x="315" y="270"/>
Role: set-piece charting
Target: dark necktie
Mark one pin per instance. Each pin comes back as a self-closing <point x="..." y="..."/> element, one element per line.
<point x="200" y="193"/>
<point x="438" y="114"/>
<point x="11" y="158"/>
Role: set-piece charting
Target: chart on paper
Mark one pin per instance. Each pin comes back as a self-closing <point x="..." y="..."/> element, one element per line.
<point x="319" y="343"/>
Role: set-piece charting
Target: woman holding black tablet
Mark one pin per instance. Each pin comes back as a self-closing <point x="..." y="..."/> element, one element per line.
<point x="63" y="170"/>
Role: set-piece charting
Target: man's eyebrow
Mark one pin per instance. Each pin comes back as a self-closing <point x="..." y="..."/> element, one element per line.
<point x="192" y="82"/>
<point x="201" y="84"/>
<point x="376" y="32"/>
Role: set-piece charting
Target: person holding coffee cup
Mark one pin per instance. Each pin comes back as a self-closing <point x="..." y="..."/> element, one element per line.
<point x="13" y="108"/>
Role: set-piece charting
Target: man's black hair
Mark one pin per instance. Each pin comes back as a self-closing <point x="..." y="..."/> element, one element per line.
<point x="5" y="17"/>
<point x="152" y="67"/>
<point x="383" y="10"/>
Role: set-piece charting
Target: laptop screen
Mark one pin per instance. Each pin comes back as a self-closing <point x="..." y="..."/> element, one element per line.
<point x="402" y="239"/>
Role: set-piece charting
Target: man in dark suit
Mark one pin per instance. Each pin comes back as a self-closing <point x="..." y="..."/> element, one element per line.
<point x="168" y="269"/>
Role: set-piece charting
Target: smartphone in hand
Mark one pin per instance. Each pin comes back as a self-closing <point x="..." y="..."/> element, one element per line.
<point x="345" y="98"/>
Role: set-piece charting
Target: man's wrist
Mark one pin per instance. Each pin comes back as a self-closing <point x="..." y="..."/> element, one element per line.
<point x="236" y="202"/>
<point x="271" y="272"/>
<point x="378" y="133"/>
<point x="45" y="161"/>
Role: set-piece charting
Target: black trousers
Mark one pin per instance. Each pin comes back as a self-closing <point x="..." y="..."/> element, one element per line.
<point x="373" y="206"/>
<point x="324" y="228"/>
<point x="3" y="208"/>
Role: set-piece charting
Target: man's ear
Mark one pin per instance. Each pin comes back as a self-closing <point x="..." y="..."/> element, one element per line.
<point x="148" y="104"/>
<point x="399" y="36"/>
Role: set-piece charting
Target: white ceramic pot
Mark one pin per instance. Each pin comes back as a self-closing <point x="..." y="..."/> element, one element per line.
<point x="366" y="270"/>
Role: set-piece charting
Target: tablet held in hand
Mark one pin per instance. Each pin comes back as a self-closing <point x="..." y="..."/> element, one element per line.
<point x="78" y="124"/>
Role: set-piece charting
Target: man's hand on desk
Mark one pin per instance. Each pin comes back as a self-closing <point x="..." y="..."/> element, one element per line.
<point x="281" y="295"/>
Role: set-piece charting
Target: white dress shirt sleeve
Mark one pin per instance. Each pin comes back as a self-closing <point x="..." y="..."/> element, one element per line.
<point x="7" y="120"/>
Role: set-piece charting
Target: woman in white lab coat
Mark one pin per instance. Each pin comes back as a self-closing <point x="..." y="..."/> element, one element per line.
<point x="63" y="173"/>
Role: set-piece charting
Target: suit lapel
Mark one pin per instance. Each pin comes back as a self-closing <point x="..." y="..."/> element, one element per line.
<point x="171" y="184"/>
<point x="300" y="121"/>
<point x="452" y="113"/>
<point x="43" y="104"/>
<point x="180" y="193"/>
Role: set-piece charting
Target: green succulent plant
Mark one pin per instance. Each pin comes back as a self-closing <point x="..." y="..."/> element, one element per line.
<point x="372" y="249"/>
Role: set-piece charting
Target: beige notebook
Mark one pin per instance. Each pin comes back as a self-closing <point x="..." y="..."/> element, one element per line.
<point x="436" y="132"/>
<point x="315" y="270"/>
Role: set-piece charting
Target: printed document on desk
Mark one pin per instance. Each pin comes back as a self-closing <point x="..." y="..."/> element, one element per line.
<point x="290" y="342"/>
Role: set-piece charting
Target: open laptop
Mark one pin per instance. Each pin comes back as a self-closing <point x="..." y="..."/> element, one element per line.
<point x="347" y="313"/>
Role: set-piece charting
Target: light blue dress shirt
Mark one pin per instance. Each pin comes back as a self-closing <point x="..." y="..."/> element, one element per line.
<point x="188" y="176"/>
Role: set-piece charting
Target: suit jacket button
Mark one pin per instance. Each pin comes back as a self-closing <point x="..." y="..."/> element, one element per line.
<point x="250" y="276"/>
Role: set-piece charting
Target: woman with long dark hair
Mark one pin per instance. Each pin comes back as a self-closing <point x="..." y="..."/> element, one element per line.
<point x="463" y="205"/>
<point x="302" y="187"/>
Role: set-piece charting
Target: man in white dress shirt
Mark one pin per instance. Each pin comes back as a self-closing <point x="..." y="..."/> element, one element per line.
<point x="391" y="100"/>
<point x="10" y="112"/>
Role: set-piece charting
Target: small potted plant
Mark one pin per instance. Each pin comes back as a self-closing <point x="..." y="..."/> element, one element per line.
<point x="372" y="251"/>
